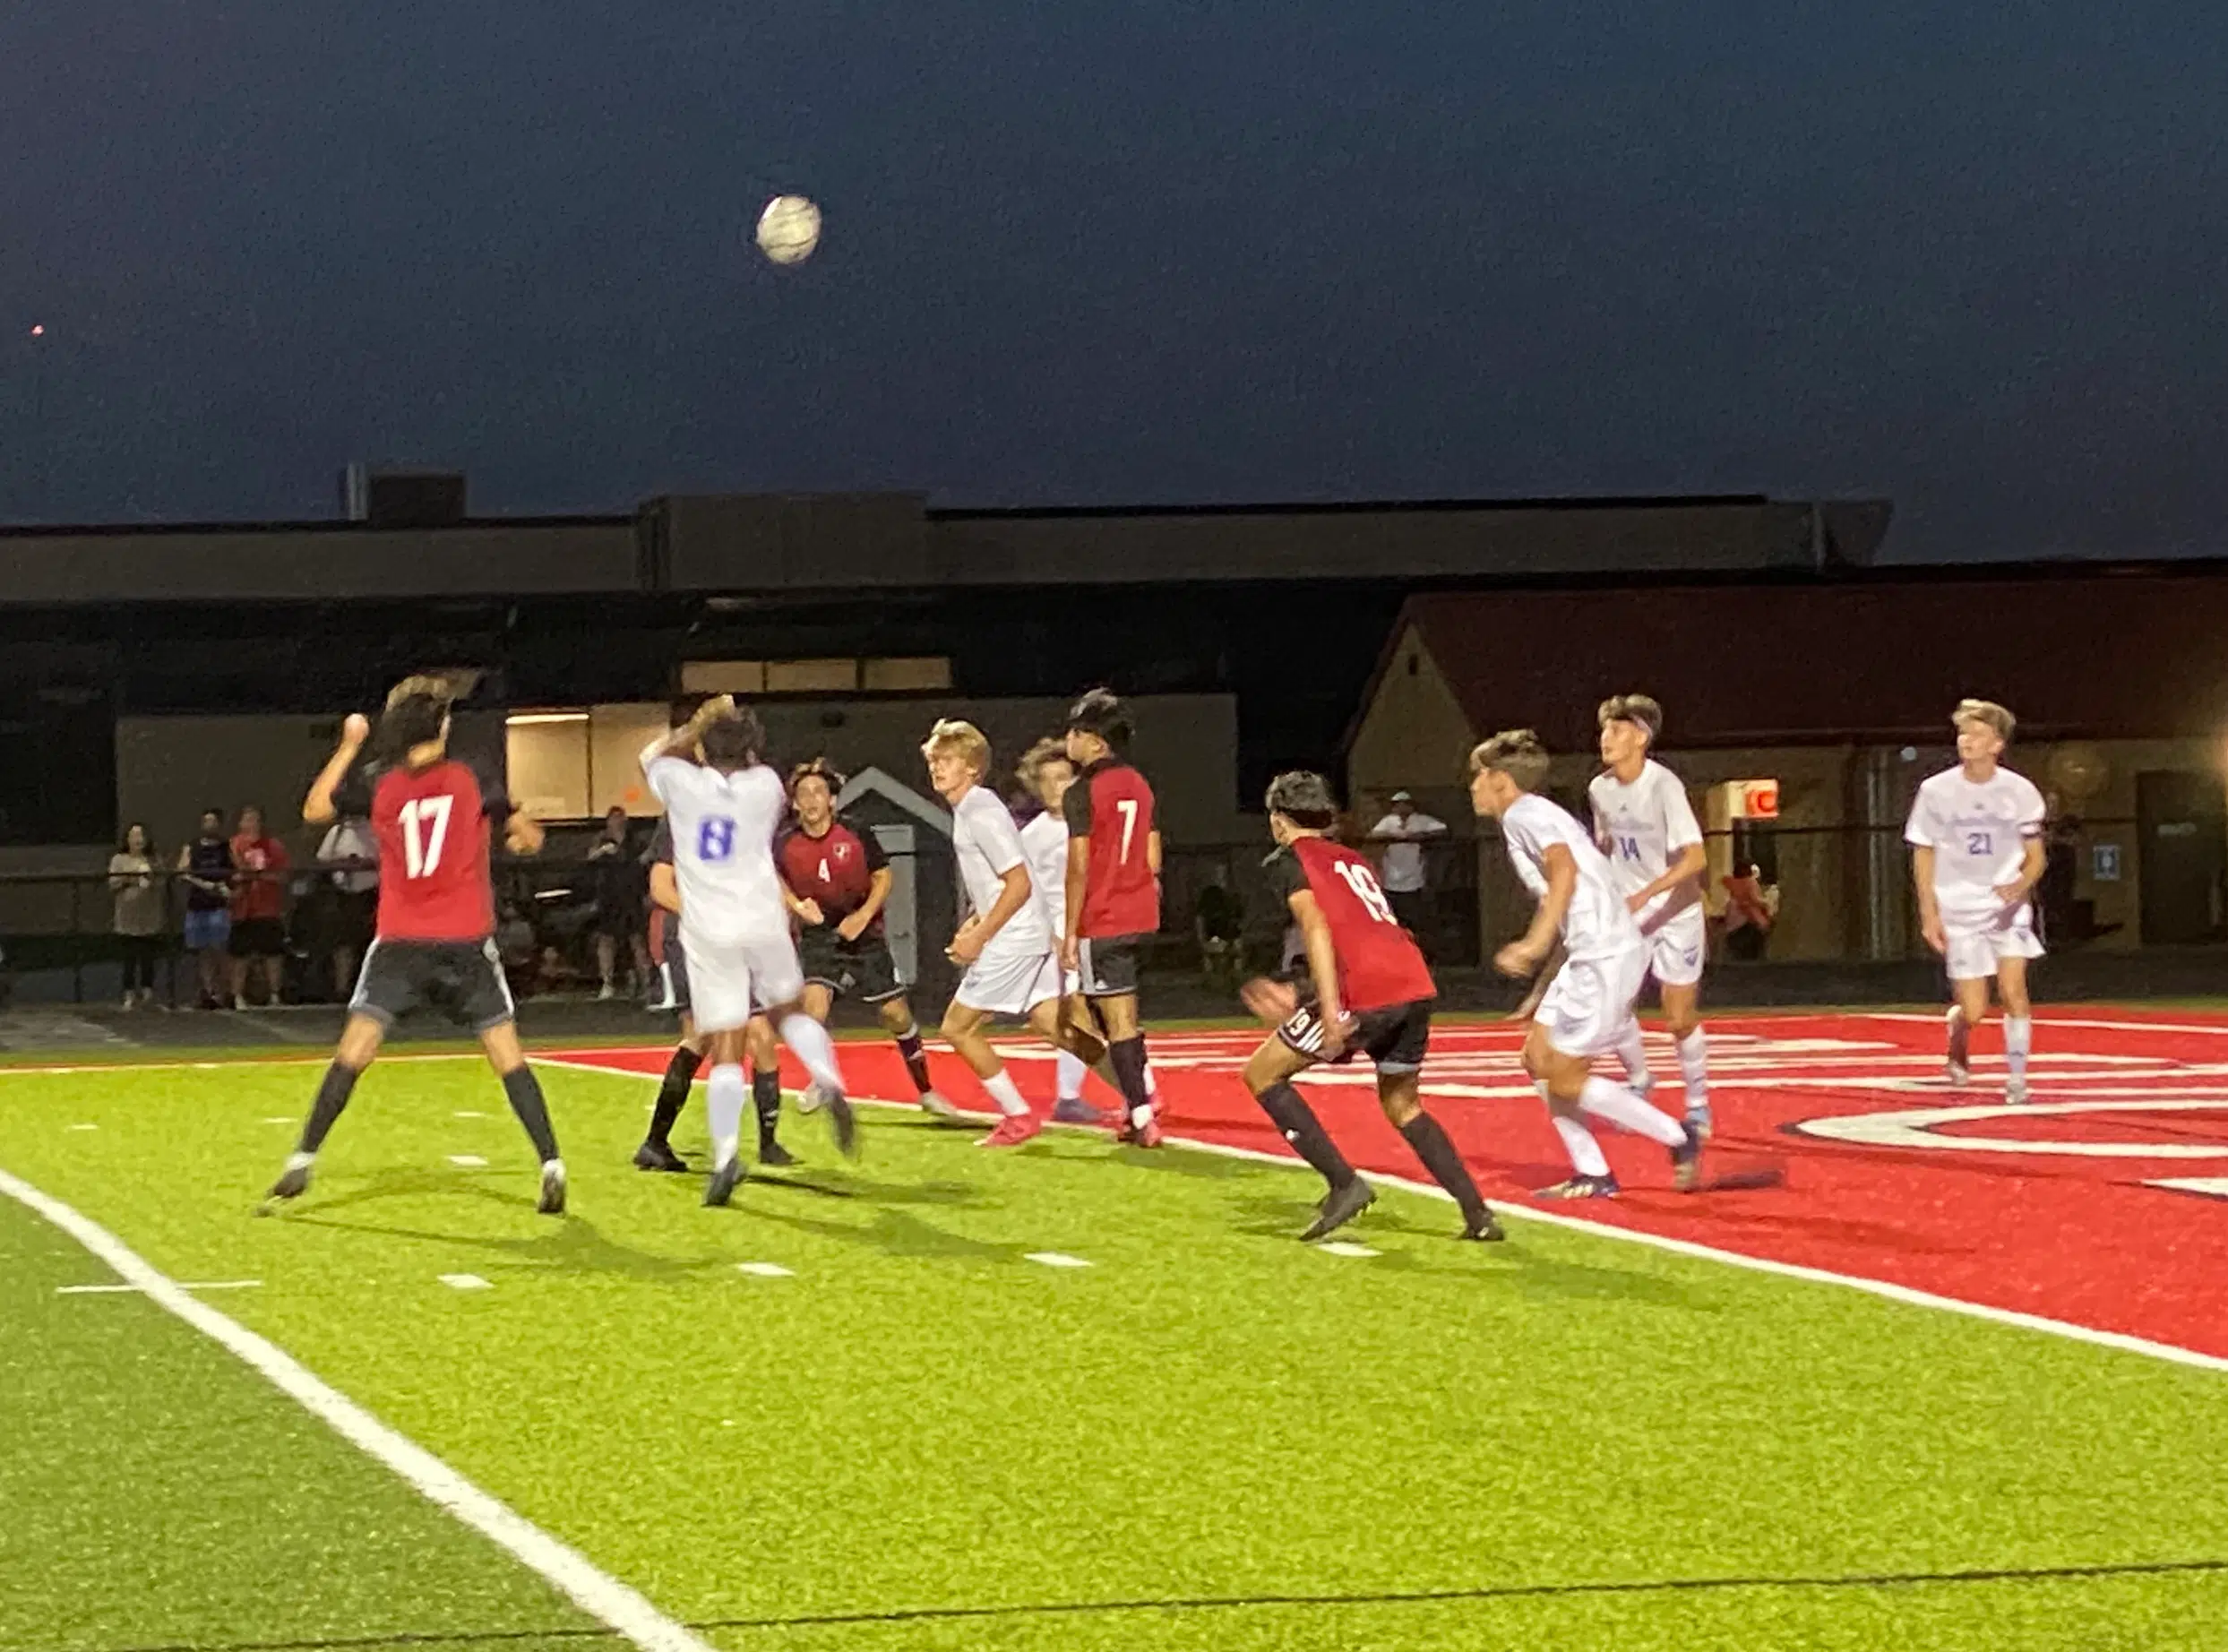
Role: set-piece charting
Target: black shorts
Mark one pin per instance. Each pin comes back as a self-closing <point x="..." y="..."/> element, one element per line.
<point x="259" y="937"/>
<point x="462" y="979"/>
<point x="1394" y="1038"/>
<point x="861" y="968"/>
<point x="1109" y="965"/>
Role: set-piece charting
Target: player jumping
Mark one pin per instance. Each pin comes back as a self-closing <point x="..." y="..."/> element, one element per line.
<point x="1373" y="992"/>
<point x="1975" y="834"/>
<point x="1646" y="826"/>
<point x="1587" y="1007"/>
<point x="434" y="943"/>
<point x="1114" y="892"/>
<point x="735" y="925"/>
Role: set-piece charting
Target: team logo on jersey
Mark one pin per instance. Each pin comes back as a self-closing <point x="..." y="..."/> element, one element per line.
<point x="843" y="851"/>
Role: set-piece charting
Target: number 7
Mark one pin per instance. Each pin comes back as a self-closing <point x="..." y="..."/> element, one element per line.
<point x="1127" y="807"/>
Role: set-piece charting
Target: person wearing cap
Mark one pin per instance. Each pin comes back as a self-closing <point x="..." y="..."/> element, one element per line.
<point x="1403" y="832"/>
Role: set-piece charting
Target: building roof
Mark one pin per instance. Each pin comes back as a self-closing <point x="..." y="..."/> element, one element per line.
<point x="2087" y="652"/>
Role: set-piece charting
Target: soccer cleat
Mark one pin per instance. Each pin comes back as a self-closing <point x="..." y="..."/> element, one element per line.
<point x="552" y="1201"/>
<point x="1340" y="1206"/>
<point x="1698" y="1119"/>
<point x="292" y="1183"/>
<point x="811" y="1098"/>
<point x="1957" y="1074"/>
<point x="937" y="1107"/>
<point x="1129" y="1133"/>
<point x="1481" y="1225"/>
<point x="2014" y="1092"/>
<point x="658" y="1156"/>
<point x="773" y="1156"/>
<point x="1013" y="1129"/>
<point x="842" y="1119"/>
<point x="724" y="1182"/>
<point x="1686" y="1160"/>
<point x="1075" y="1110"/>
<point x="1580" y="1186"/>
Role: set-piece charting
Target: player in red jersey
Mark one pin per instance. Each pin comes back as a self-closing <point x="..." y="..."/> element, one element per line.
<point x="434" y="943"/>
<point x="1373" y="992"/>
<point x="1114" y="892"/>
<point x="838" y="881"/>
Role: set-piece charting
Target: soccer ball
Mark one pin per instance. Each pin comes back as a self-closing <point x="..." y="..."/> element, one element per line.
<point x="788" y="229"/>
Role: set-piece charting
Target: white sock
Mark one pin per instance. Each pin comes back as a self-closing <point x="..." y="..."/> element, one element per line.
<point x="814" y="1048"/>
<point x="1002" y="1091"/>
<point x="1540" y="1086"/>
<point x="1577" y="1142"/>
<point x="1694" y="1063"/>
<point x="1068" y="1071"/>
<point x="1633" y="1053"/>
<point x="2019" y="1040"/>
<point x="723" y="1096"/>
<point x="1620" y="1106"/>
<point x="1152" y="1082"/>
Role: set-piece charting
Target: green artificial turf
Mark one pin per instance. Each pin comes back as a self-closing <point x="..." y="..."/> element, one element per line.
<point x="922" y="1419"/>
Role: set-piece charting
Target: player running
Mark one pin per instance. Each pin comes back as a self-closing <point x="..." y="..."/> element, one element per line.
<point x="1371" y="991"/>
<point x="735" y="925"/>
<point x="839" y="882"/>
<point x="1975" y="834"/>
<point x="433" y="940"/>
<point x="657" y="1153"/>
<point x="1112" y="891"/>
<point x="1587" y="1007"/>
<point x="1646" y="826"/>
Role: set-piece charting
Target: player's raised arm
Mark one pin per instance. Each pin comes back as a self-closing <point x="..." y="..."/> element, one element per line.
<point x="678" y="742"/>
<point x="317" y="808"/>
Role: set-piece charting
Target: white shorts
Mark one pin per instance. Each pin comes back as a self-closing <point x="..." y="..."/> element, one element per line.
<point x="1589" y="1002"/>
<point x="1676" y="949"/>
<point x="1976" y="947"/>
<point x="1011" y="983"/>
<point x="732" y="980"/>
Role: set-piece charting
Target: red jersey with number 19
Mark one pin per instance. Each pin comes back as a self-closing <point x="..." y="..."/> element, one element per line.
<point x="1112" y="806"/>
<point x="1379" y="964"/>
<point x="432" y="828"/>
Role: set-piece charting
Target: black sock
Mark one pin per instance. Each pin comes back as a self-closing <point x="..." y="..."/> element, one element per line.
<point x="333" y="1094"/>
<point x="1431" y="1145"/>
<point x="915" y="1058"/>
<point x="673" y="1094"/>
<point x="522" y="1090"/>
<point x="1128" y="1061"/>
<point x="1296" y="1120"/>
<point x="766" y="1096"/>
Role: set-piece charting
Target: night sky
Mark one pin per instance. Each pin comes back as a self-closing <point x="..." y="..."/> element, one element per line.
<point x="1971" y="258"/>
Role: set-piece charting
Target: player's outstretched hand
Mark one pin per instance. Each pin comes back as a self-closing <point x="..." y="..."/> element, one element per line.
<point x="1271" y="1002"/>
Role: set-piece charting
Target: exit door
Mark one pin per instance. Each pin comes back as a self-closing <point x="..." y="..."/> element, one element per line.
<point x="2182" y="825"/>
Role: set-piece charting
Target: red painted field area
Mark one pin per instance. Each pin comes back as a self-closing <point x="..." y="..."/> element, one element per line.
<point x="1839" y="1147"/>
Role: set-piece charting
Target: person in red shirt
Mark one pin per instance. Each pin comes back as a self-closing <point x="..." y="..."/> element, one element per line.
<point x="839" y="880"/>
<point x="259" y="888"/>
<point x="1114" y="892"/>
<point x="1371" y="991"/>
<point x="434" y="943"/>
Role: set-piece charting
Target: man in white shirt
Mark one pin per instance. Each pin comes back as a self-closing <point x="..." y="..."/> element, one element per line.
<point x="1403" y="832"/>
<point x="1976" y="834"/>
<point x="1647" y="827"/>
<point x="734" y="925"/>
<point x="1588" y="1006"/>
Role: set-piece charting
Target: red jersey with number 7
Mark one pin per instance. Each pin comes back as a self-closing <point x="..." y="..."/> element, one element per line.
<point x="1112" y="806"/>
<point x="1380" y="965"/>
<point x="431" y="824"/>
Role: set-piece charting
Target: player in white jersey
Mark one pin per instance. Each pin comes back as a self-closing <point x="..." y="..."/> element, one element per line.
<point x="1006" y="943"/>
<point x="1647" y="827"/>
<point x="734" y="925"/>
<point x="1587" y="1007"/>
<point x="1975" y="834"/>
<point x="1045" y="772"/>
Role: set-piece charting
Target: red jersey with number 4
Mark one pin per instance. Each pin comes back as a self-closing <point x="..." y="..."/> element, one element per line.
<point x="1379" y="964"/>
<point x="835" y="871"/>
<point x="432" y="828"/>
<point x="1111" y="804"/>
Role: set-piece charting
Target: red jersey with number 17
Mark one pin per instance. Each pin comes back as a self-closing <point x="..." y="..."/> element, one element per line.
<point x="1379" y="964"/>
<point x="432" y="828"/>
<point x="1111" y="804"/>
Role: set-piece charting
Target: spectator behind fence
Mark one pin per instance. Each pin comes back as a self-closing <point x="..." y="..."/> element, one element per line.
<point x="1220" y="918"/>
<point x="354" y="900"/>
<point x="1751" y="907"/>
<point x="205" y="866"/>
<point x="259" y="904"/>
<point x="1403" y="832"/>
<point x="621" y="886"/>
<point x="139" y="913"/>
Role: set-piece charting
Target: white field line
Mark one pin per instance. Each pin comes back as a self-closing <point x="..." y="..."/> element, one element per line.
<point x="595" y="1592"/>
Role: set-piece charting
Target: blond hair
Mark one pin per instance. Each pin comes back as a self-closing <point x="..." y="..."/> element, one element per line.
<point x="952" y="734"/>
<point x="1515" y="752"/>
<point x="1985" y="711"/>
<point x="1641" y="709"/>
<point x="1031" y="768"/>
